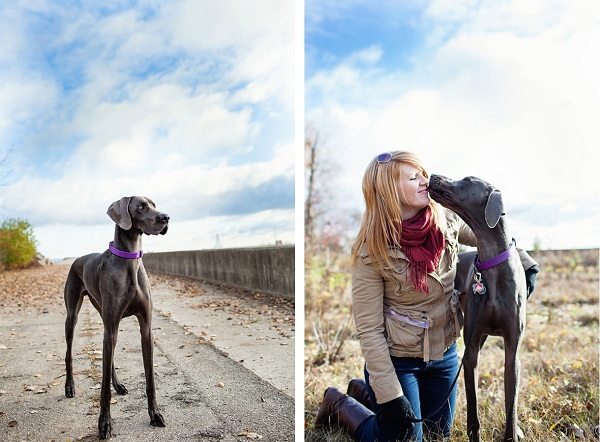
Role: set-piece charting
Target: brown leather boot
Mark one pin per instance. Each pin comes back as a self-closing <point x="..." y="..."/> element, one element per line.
<point x="357" y="388"/>
<point x="339" y="409"/>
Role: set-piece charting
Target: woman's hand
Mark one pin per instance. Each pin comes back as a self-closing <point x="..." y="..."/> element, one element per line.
<point x="394" y="420"/>
<point x="530" y="277"/>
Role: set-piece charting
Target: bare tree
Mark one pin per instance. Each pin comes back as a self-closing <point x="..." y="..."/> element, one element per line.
<point x="324" y="225"/>
<point x="311" y="141"/>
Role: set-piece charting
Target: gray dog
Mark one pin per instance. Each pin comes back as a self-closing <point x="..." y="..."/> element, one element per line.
<point x="116" y="283"/>
<point x="497" y="289"/>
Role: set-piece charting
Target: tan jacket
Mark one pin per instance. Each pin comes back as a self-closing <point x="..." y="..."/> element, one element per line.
<point x="393" y="318"/>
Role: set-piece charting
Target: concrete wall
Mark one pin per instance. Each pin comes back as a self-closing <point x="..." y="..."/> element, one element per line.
<point x="269" y="270"/>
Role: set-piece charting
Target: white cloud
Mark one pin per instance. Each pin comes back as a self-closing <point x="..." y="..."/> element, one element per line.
<point x="569" y="208"/>
<point x="83" y="199"/>
<point x="486" y="96"/>
<point x="164" y="117"/>
<point x="263" y="228"/>
<point x="187" y="103"/>
<point x="255" y="39"/>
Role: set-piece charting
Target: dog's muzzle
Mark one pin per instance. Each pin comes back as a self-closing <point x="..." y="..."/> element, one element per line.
<point x="163" y="219"/>
<point x="436" y="186"/>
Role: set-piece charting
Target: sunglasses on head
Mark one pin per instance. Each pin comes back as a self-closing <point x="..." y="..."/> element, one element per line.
<point x="384" y="157"/>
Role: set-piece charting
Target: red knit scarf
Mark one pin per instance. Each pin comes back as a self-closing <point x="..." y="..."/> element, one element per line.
<point x="422" y="243"/>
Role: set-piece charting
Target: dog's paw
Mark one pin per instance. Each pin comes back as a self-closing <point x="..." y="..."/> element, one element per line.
<point x="157" y="420"/>
<point x="121" y="389"/>
<point x="69" y="391"/>
<point x="104" y="429"/>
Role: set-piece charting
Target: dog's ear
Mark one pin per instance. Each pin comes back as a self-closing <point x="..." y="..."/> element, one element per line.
<point x="119" y="213"/>
<point x="494" y="208"/>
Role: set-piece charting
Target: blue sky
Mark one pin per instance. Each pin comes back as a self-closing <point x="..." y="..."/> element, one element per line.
<point x="503" y="90"/>
<point x="189" y="103"/>
<point x="192" y="104"/>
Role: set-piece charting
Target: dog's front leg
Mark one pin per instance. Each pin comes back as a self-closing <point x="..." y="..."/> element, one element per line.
<point x="144" y="320"/>
<point x="111" y="329"/>
<point x="471" y="381"/>
<point x="512" y="370"/>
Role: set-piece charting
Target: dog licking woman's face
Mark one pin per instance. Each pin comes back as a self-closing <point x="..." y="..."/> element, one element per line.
<point x="412" y="190"/>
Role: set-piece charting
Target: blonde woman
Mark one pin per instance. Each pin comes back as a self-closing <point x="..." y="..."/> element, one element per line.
<point x="406" y="308"/>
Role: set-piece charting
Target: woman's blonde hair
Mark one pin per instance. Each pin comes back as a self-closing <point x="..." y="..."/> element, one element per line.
<point x="381" y="225"/>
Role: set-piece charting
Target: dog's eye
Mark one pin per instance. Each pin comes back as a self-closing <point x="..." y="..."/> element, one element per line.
<point x="141" y="207"/>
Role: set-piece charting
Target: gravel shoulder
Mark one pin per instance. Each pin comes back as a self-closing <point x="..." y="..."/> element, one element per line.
<point x="223" y="364"/>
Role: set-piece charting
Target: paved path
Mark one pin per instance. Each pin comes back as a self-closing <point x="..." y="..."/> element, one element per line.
<point x="207" y="390"/>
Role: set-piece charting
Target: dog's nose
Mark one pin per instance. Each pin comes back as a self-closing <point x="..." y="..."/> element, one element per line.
<point x="163" y="218"/>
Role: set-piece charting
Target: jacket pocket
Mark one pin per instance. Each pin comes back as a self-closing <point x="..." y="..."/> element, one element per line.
<point x="407" y="330"/>
<point x="398" y="276"/>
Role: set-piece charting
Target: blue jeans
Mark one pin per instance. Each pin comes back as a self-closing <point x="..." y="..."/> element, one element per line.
<point x="425" y="385"/>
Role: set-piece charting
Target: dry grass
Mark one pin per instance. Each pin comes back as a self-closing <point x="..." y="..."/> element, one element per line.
<point x="559" y="380"/>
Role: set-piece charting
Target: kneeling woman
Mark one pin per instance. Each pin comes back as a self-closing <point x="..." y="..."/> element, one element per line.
<point x="405" y="307"/>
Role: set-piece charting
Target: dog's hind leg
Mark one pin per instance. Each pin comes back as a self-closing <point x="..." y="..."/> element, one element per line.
<point x="74" y="292"/>
<point x="118" y="386"/>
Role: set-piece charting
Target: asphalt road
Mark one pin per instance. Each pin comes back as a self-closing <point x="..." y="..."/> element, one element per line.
<point x="223" y="367"/>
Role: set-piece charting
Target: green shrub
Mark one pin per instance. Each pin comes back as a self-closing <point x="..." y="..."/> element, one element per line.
<point x="17" y="243"/>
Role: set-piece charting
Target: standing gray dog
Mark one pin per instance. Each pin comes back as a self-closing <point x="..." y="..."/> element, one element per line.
<point x="497" y="294"/>
<point x="117" y="286"/>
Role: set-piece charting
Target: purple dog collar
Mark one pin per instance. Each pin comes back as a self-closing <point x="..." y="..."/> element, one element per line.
<point x="126" y="255"/>
<point x="485" y="265"/>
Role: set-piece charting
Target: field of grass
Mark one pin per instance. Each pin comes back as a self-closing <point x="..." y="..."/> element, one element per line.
<point x="558" y="398"/>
